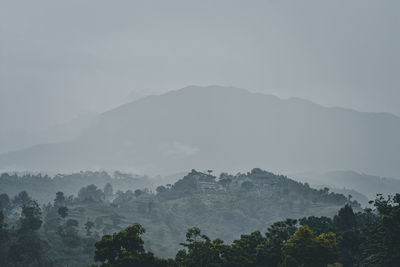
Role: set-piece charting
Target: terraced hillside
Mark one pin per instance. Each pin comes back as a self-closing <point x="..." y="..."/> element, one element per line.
<point x="223" y="207"/>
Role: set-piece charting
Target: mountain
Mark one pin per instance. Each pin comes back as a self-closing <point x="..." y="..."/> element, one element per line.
<point x="18" y="139"/>
<point x="368" y="185"/>
<point x="223" y="128"/>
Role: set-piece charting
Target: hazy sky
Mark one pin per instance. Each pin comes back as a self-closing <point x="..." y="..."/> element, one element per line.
<point x="62" y="58"/>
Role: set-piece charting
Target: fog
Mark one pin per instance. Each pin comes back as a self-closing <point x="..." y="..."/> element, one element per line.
<point x="60" y="59"/>
<point x="213" y="133"/>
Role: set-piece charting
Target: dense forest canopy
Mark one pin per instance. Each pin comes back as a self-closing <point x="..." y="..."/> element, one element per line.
<point x="42" y="187"/>
<point x="62" y="233"/>
<point x="223" y="207"/>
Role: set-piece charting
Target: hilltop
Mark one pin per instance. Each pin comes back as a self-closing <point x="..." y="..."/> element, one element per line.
<point x="224" y="206"/>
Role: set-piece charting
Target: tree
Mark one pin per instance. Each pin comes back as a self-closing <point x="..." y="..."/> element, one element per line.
<point x="305" y="249"/>
<point x="27" y="249"/>
<point x="383" y="242"/>
<point x="201" y="251"/>
<point x="4" y="202"/>
<point x="88" y="226"/>
<point x="318" y="225"/>
<point x="91" y="193"/>
<point x="138" y="192"/>
<point x="350" y="236"/>
<point x="187" y="184"/>
<point x="225" y="182"/>
<point x="161" y="189"/>
<point x="125" y="248"/>
<point x="59" y="200"/>
<point x="278" y="233"/>
<point x="2" y="224"/>
<point x="108" y="191"/>
<point x="22" y="199"/>
<point x="69" y="233"/>
<point x="4" y="238"/>
<point x="346" y="219"/>
<point x="247" y="185"/>
<point x="63" y="212"/>
<point x="246" y="251"/>
<point x="31" y="219"/>
<point x="72" y="223"/>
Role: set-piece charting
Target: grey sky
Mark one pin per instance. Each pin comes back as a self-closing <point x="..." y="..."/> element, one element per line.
<point x="61" y="58"/>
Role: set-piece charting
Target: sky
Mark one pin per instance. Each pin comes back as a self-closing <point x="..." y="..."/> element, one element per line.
<point x="62" y="59"/>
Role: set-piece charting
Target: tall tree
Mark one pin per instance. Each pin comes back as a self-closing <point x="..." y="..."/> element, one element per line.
<point x="4" y="240"/>
<point x="59" y="200"/>
<point x="28" y="247"/>
<point x="125" y="248"/>
<point x="306" y="249"/>
<point x="200" y="251"/>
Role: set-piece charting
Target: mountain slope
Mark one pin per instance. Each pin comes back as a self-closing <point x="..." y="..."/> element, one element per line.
<point x="224" y="129"/>
<point x="223" y="207"/>
<point x="368" y="185"/>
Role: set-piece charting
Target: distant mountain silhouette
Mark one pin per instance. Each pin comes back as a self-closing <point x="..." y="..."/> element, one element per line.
<point x="368" y="185"/>
<point x="224" y="129"/>
<point x="18" y="139"/>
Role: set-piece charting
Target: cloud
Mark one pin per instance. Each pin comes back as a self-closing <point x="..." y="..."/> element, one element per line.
<point x="58" y="58"/>
<point x="177" y="149"/>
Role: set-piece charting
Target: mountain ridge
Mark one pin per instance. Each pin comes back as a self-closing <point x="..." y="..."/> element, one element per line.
<point x="225" y="128"/>
<point x="229" y="88"/>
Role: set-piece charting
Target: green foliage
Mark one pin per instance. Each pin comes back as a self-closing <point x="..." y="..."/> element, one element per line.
<point x="22" y="199"/>
<point x="4" y="238"/>
<point x="138" y="193"/>
<point x="63" y="212"/>
<point x="306" y="249"/>
<point x="161" y="189"/>
<point x="382" y="244"/>
<point x="26" y="248"/>
<point x="88" y="226"/>
<point x="43" y="188"/>
<point x="5" y="202"/>
<point x="31" y="236"/>
<point x="60" y="199"/>
<point x="278" y="233"/>
<point x="247" y="251"/>
<point x="343" y="241"/>
<point x="200" y="250"/>
<point x="125" y="248"/>
<point x="91" y="193"/>
<point x="318" y="224"/>
<point x="31" y="218"/>
<point x="346" y="219"/>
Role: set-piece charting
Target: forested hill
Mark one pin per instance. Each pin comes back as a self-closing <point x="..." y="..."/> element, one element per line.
<point x="43" y="187"/>
<point x="233" y="204"/>
<point x="368" y="185"/>
<point x="224" y="207"/>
